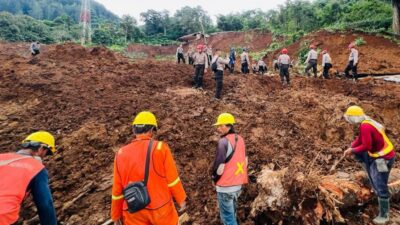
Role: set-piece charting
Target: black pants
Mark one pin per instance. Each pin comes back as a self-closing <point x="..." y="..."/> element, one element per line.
<point x="36" y="52"/>
<point x="198" y="76"/>
<point x="180" y="56"/>
<point x="209" y="59"/>
<point x="327" y="67"/>
<point x="312" y="64"/>
<point x="284" y="73"/>
<point x="276" y="66"/>
<point x="262" y="69"/>
<point x="218" y="83"/>
<point x="245" y="68"/>
<point x="231" y="68"/>
<point x="353" y="68"/>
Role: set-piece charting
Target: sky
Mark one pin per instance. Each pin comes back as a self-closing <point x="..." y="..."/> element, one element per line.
<point x="213" y="7"/>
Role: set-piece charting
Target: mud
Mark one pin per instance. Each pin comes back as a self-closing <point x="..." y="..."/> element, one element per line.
<point x="88" y="97"/>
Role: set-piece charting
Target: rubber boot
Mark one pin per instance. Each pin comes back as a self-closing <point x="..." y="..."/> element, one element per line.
<point x="384" y="209"/>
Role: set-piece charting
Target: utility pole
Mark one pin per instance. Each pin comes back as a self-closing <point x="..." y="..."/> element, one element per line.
<point x="86" y="23"/>
<point x="202" y="27"/>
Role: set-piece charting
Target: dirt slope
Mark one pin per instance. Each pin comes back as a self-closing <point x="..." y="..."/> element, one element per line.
<point x="378" y="55"/>
<point x="88" y="97"/>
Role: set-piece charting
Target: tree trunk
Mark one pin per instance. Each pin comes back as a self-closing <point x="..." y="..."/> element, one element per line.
<point x="396" y="16"/>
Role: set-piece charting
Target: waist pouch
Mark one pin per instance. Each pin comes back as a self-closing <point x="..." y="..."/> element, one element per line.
<point x="381" y="165"/>
<point x="136" y="196"/>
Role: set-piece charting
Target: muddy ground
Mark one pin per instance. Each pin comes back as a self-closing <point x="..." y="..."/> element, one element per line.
<point x="88" y="97"/>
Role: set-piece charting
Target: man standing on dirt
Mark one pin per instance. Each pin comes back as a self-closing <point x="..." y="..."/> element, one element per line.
<point x="376" y="153"/>
<point x="284" y="64"/>
<point x="311" y="61"/>
<point x="35" y="48"/>
<point x="22" y="173"/>
<point x="229" y="171"/>
<point x="326" y="63"/>
<point x="353" y="62"/>
<point x="219" y="72"/>
<point x="232" y="60"/>
<point x="179" y="54"/>
<point x="200" y="61"/>
<point x="244" y="59"/>
<point x="146" y="156"/>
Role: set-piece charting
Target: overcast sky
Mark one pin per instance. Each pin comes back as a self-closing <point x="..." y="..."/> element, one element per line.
<point x="213" y="7"/>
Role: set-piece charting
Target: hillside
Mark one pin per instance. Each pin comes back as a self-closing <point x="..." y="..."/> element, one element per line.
<point x="51" y="9"/>
<point x="89" y="104"/>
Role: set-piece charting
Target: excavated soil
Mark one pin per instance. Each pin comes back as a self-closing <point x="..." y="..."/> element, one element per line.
<point x="88" y="97"/>
<point x="377" y="56"/>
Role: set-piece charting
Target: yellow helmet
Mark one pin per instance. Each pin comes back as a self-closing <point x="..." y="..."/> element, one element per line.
<point x="43" y="137"/>
<point x="354" y="111"/>
<point x="224" y="119"/>
<point x="145" y="118"/>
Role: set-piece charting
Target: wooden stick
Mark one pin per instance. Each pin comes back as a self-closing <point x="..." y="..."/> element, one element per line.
<point x="337" y="163"/>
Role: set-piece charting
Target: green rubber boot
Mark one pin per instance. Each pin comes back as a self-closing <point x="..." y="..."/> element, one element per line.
<point x="384" y="209"/>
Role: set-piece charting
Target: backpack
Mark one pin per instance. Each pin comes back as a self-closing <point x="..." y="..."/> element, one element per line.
<point x="214" y="65"/>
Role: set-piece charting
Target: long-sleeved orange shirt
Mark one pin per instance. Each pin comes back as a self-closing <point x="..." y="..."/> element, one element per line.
<point x="129" y="166"/>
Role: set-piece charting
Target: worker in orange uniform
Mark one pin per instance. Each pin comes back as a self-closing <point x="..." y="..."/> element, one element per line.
<point x="145" y="156"/>
<point x="22" y="173"/>
<point x="230" y="168"/>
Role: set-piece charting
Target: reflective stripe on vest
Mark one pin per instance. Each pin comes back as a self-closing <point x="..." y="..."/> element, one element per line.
<point x="235" y="171"/>
<point x="14" y="180"/>
<point x="387" y="147"/>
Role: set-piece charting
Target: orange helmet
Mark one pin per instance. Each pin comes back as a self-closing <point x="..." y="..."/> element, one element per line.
<point x="284" y="51"/>
<point x="200" y="47"/>
<point x="352" y="45"/>
<point x="324" y="51"/>
<point x="312" y="46"/>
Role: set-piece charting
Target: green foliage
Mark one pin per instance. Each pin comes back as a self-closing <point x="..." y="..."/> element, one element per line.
<point x="51" y="9"/>
<point x="360" y="41"/>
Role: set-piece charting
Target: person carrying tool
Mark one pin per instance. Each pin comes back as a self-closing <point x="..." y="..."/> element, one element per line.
<point x="179" y="54"/>
<point x="244" y="59"/>
<point x="22" y="173"/>
<point x="311" y="61"/>
<point x="262" y="67"/>
<point x="326" y="63"/>
<point x="284" y="63"/>
<point x="376" y="153"/>
<point x="200" y="62"/>
<point x="229" y="172"/>
<point x="35" y="48"/>
<point x="232" y="60"/>
<point x="146" y="179"/>
<point x="218" y="65"/>
<point x="353" y="62"/>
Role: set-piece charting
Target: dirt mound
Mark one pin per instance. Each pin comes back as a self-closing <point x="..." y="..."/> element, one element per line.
<point x="378" y="54"/>
<point x="88" y="101"/>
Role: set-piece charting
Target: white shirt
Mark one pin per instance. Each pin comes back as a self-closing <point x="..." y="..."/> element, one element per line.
<point x="312" y="54"/>
<point x="244" y="57"/>
<point x="326" y="58"/>
<point x="284" y="59"/>
<point x="353" y="55"/>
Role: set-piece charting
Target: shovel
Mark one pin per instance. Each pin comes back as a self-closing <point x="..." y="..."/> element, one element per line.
<point x="333" y="168"/>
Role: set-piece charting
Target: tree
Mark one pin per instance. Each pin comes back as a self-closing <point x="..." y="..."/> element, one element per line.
<point x="128" y="24"/>
<point x="396" y="16"/>
<point x="231" y="22"/>
<point x="155" y="22"/>
<point x="187" y="20"/>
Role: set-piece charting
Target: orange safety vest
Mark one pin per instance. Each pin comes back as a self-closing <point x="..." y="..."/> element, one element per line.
<point x="387" y="147"/>
<point x="235" y="171"/>
<point x="16" y="172"/>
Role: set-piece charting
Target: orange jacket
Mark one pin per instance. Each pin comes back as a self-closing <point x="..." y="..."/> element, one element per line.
<point x="235" y="171"/>
<point x="129" y="166"/>
<point x="14" y="180"/>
